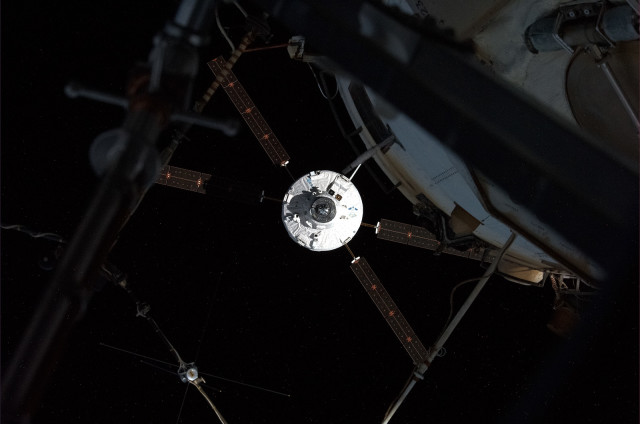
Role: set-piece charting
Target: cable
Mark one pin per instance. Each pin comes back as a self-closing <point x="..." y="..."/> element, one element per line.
<point x="221" y="28"/>
<point x="471" y="280"/>
<point x="34" y="234"/>
<point x="136" y="354"/>
<point x="324" y="84"/>
<point x="223" y="32"/>
<point x="184" y="398"/>
<point x="158" y="367"/>
<point x="241" y="9"/>
<point x="322" y="87"/>
<point x="352" y="144"/>
<point x="253" y="386"/>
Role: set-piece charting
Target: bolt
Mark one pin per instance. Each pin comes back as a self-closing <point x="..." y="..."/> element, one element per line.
<point x="587" y="12"/>
<point x="572" y="14"/>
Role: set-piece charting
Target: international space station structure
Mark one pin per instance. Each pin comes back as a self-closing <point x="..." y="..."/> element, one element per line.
<point x="576" y="61"/>
<point x="511" y="126"/>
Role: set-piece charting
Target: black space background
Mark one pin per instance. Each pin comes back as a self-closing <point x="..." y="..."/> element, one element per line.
<point x="280" y="316"/>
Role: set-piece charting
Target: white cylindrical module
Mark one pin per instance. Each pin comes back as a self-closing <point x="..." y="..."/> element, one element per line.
<point x="322" y="210"/>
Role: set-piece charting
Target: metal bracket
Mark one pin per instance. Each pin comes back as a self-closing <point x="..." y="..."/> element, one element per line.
<point x="599" y="29"/>
<point x="574" y="12"/>
<point x="560" y="19"/>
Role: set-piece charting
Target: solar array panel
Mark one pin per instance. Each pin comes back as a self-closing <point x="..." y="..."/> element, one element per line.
<point x="184" y="179"/>
<point x="389" y="310"/>
<point x="407" y="234"/>
<point x="249" y="112"/>
<point x="420" y="237"/>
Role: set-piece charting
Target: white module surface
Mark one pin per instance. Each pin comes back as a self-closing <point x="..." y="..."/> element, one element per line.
<point x="322" y="210"/>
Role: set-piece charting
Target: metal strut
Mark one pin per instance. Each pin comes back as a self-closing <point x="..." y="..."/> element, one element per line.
<point x="418" y="372"/>
<point x="196" y="383"/>
<point x="121" y="188"/>
<point x="368" y="154"/>
<point x="142" y="312"/>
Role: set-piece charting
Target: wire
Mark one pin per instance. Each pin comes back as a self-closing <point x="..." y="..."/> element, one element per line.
<point x="451" y="301"/>
<point x="223" y="32"/>
<point x="246" y="384"/>
<point x="324" y="84"/>
<point x="352" y="144"/>
<point x="241" y="9"/>
<point x="158" y="367"/>
<point x="322" y="87"/>
<point x="221" y="28"/>
<point x="34" y="234"/>
<point x="182" y="404"/>
<point x="164" y="338"/>
<point x="136" y="354"/>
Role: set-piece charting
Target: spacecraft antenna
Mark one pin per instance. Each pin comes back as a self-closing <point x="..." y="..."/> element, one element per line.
<point x="187" y="371"/>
